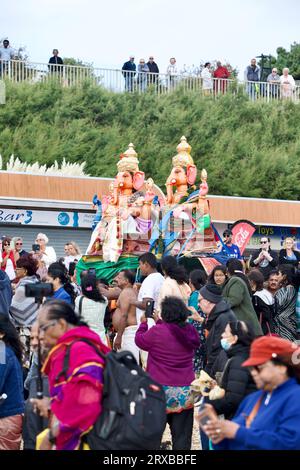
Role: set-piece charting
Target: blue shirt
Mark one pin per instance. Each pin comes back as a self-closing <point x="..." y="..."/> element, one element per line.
<point x="11" y="383"/>
<point x="61" y="294"/>
<point x="276" y="425"/>
<point x="232" y="251"/>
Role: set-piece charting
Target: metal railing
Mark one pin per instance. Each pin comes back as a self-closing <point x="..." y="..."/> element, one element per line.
<point x="119" y="81"/>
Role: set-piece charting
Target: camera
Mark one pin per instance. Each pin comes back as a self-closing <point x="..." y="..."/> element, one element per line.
<point x="39" y="290"/>
<point x="149" y="308"/>
<point x="36" y="247"/>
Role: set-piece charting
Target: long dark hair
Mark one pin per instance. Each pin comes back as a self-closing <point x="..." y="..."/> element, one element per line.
<point x="89" y="288"/>
<point x="174" y="310"/>
<point x="11" y="337"/>
<point x="58" y="270"/>
<point x="59" y="309"/>
<point x="172" y="269"/>
<point x="211" y="277"/>
<point x="289" y="272"/>
<point x="198" y="278"/>
<point x="235" y="268"/>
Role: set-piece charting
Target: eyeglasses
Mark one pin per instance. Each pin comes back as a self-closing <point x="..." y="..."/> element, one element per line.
<point x="47" y="325"/>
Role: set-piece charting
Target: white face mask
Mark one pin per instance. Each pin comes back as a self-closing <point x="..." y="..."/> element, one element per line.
<point x="225" y="344"/>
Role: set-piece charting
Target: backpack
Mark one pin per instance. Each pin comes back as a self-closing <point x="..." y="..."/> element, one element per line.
<point x="133" y="413"/>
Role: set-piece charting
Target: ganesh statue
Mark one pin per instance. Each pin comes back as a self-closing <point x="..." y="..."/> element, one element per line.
<point x="186" y="226"/>
<point x="128" y="213"/>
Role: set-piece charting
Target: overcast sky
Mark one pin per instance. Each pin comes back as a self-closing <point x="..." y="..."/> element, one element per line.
<point x="106" y="32"/>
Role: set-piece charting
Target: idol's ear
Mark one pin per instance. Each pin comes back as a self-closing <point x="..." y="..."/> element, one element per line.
<point x="138" y="180"/>
<point x="191" y="173"/>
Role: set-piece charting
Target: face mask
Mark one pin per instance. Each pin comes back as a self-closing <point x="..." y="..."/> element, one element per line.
<point x="225" y="345"/>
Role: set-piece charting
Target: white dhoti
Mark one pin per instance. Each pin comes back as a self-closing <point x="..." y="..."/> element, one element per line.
<point x="128" y="342"/>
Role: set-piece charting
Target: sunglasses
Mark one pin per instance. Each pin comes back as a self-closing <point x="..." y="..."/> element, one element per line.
<point x="19" y="244"/>
<point x="264" y="241"/>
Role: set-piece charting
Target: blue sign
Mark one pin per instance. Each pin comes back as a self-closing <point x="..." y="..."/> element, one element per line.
<point x="63" y="218"/>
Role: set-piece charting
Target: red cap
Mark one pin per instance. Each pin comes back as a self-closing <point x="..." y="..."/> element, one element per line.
<point x="265" y="348"/>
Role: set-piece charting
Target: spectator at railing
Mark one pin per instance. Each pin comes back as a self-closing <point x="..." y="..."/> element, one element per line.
<point x="221" y="74"/>
<point x="18" y="243"/>
<point x="153" y="68"/>
<point x="55" y="62"/>
<point x="172" y="72"/>
<point x="143" y="69"/>
<point x="287" y="83"/>
<point x="252" y="74"/>
<point x="6" y="54"/>
<point x="274" y="82"/>
<point x="207" y="81"/>
<point x="128" y="71"/>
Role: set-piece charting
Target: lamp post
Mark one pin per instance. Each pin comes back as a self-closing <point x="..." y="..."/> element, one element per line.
<point x="265" y="66"/>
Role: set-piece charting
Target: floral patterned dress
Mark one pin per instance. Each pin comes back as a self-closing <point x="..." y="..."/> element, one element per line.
<point x="199" y="357"/>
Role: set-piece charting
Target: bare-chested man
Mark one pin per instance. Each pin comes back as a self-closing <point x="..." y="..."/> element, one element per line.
<point x="124" y="318"/>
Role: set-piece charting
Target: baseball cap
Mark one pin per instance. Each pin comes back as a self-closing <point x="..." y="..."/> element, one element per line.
<point x="266" y="348"/>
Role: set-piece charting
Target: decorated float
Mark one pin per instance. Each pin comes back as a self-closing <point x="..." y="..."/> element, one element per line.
<point x="132" y="219"/>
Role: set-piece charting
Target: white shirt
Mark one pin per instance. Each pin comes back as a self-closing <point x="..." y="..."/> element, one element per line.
<point x="10" y="269"/>
<point x="150" y="289"/>
<point x="207" y="79"/>
<point x="6" y="53"/>
<point x="70" y="259"/>
<point x="172" y="70"/>
<point x="93" y="313"/>
<point x="49" y="256"/>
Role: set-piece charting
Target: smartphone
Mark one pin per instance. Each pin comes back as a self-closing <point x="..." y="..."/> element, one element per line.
<point x="205" y="414"/>
<point x="149" y="308"/>
<point x="36" y="247"/>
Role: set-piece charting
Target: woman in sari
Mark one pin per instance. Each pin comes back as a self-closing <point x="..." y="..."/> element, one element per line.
<point x="75" y="396"/>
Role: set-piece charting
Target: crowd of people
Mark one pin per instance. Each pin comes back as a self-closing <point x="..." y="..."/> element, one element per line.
<point x="239" y="326"/>
<point x="215" y="76"/>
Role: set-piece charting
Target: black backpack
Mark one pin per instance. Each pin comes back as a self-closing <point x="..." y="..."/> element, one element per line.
<point x="133" y="413"/>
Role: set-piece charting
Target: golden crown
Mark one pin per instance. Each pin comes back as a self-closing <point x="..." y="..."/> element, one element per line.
<point x="128" y="160"/>
<point x="183" y="157"/>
